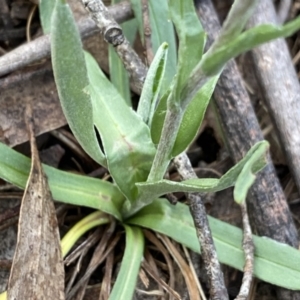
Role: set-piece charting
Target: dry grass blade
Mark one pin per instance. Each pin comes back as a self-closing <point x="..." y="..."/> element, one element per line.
<point x="37" y="270"/>
<point x="104" y="248"/>
<point x="153" y="239"/>
<point x="183" y="266"/>
<point x="107" y="279"/>
<point x="162" y="283"/>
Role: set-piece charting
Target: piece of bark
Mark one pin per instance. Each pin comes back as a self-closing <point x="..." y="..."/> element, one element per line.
<point x="268" y="209"/>
<point x="280" y="87"/>
<point x="37" y="270"/>
<point x="35" y="86"/>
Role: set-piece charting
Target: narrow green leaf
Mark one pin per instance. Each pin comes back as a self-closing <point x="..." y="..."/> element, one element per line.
<point x="214" y="61"/>
<point x="71" y="79"/>
<point x="126" y="138"/>
<point x="246" y="178"/>
<point x="152" y="85"/>
<point x="191" y="121"/>
<point x="194" y="116"/>
<point x="126" y="281"/>
<point x="159" y="117"/>
<point x="94" y="219"/>
<point x="161" y="31"/>
<point x="150" y="190"/>
<point x="274" y="262"/>
<point x="191" y="45"/>
<point x="118" y="75"/>
<point x="65" y="187"/>
<point x="46" y="8"/>
<point x="236" y="20"/>
<point x="191" y="39"/>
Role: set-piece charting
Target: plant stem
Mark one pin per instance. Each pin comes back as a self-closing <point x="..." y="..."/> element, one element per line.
<point x="168" y="136"/>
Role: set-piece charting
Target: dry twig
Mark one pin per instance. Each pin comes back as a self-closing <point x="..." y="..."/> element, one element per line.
<point x="40" y="48"/>
<point x="113" y="34"/>
<point x="208" y="250"/>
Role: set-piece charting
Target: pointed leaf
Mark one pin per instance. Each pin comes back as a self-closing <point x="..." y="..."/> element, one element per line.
<point x="161" y="31"/>
<point x="126" y="138"/>
<point x="191" y="121"/>
<point x="274" y="262"/>
<point x="214" y="61"/>
<point x="191" y="39"/>
<point x="71" y="79"/>
<point x="65" y="187"/>
<point x="126" y="281"/>
<point x="94" y="219"/>
<point x="149" y="190"/>
<point x="37" y="270"/>
<point x="152" y="85"/>
<point x="246" y="177"/>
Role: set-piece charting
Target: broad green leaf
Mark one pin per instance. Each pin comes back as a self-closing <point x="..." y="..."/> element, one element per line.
<point x="191" y="121"/>
<point x="65" y="187"/>
<point x="46" y="8"/>
<point x="126" y="138"/>
<point x="71" y="79"/>
<point x="150" y="190"/>
<point x="94" y="219"/>
<point x="214" y="61"/>
<point x="191" y="39"/>
<point x="161" y="31"/>
<point x="126" y="281"/>
<point x="274" y="262"/>
<point x="118" y="74"/>
<point x="152" y="85"/>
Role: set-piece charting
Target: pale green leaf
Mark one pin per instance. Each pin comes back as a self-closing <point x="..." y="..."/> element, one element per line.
<point x="214" y="61"/>
<point x="71" y="79"/>
<point x="274" y="262"/>
<point x="246" y="177"/>
<point x="46" y="8"/>
<point x="191" y="39"/>
<point x="161" y="31"/>
<point x="126" y="138"/>
<point x="152" y="85"/>
<point x="126" y="280"/>
<point x="92" y="220"/>
<point x="65" y="187"/>
<point x="191" y="121"/>
<point x="238" y="16"/>
<point x="150" y="190"/>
